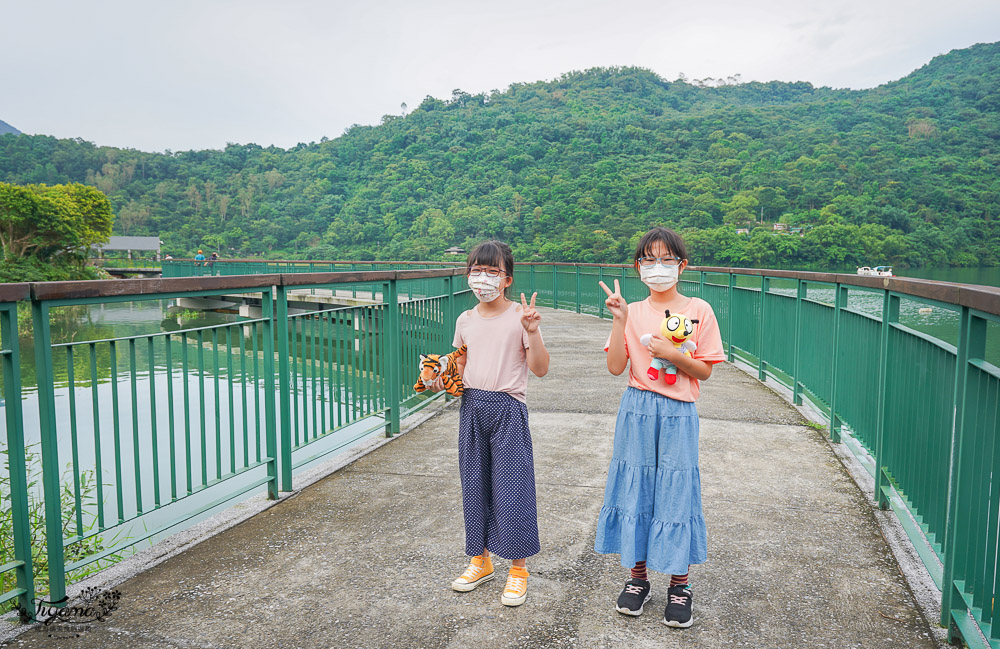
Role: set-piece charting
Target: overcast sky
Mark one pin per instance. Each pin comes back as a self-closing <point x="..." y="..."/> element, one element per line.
<point x="180" y="74"/>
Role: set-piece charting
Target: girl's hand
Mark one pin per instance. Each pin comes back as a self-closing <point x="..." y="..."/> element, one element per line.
<point x="436" y="385"/>
<point x="530" y="318"/>
<point x="660" y="347"/>
<point x="616" y="303"/>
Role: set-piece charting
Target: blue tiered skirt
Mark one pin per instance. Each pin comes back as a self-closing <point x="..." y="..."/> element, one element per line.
<point x="652" y="502"/>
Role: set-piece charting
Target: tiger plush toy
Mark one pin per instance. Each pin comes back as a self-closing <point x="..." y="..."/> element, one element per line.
<point x="434" y="365"/>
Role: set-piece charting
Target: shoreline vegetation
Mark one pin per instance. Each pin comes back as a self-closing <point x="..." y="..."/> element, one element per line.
<point x="772" y="175"/>
<point x="46" y="231"/>
<point x="78" y="524"/>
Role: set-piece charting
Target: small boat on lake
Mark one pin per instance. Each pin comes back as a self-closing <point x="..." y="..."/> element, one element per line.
<point x="877" y="271"/>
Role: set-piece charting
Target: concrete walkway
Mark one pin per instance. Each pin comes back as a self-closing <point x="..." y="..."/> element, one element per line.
<point x="364" y="557"/>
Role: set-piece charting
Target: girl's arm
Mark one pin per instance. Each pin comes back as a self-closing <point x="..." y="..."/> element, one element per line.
<point x="537" y="355"/>
<point x="660" y="347"/>
<point x="460" y="365"/>
<point x="693" y="367"/>
<point x="617" y="354"/>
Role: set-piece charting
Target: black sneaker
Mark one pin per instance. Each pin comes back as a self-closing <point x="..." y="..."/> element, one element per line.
<point x="678" y="612"/>
<point x="633" y="597"/>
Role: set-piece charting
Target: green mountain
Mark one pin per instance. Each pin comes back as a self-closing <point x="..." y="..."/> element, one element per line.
<point x="575" y="168"/>
<point x="7" y="128"/>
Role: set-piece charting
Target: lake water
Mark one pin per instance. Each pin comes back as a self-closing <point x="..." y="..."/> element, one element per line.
<point x="985" y="276"/>
<point x="165" y="454"/>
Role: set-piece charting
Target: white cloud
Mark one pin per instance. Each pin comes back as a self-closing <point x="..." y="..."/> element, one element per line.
<point x="188" y="74"/>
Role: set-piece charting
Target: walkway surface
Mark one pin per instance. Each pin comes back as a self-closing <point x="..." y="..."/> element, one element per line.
<point x="364" y="557"/>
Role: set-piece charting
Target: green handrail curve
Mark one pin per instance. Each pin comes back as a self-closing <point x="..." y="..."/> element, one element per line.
<point x="920" y="412"/>
<point x="919" y="408"/>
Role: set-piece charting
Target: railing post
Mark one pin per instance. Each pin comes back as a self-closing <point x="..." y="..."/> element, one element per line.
<point x="579" y="299"/>
<point x="555" y="286"/>
<point x="393" y="341"/>
<point x="50" y="455"/>
<point x="701" y="284"/>
<point x="449" y="314"/>
<point x="449" y="318"/>
<point x="971" y="344"/>
<point x="531" y="277"/>
<point x="839" y="302"/>
<point x="729" y="324"/>
<point x="890" y="315"/>
<point x="600" y="301"/>
<point x="761" y="365"/>
<point x="800" y="294"/>
<point x="18" y="498"/>
<point x="284" y="394"/>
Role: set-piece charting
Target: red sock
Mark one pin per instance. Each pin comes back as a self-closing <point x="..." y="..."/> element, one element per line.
<point x="679" y="580"/>
<point x="639" y="572"/>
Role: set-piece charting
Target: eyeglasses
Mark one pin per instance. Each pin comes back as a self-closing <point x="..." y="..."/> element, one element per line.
<point x="666" y="261"/>
<point x="475" y="271"/>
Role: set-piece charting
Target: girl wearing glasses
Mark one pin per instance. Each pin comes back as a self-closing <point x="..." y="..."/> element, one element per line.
<point x="494" y="444"/>
<point x="652" y="513"/>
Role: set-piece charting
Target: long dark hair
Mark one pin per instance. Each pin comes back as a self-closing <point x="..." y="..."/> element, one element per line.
<point x="493" y="253"/>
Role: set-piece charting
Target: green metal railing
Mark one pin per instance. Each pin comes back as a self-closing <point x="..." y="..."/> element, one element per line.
<point x="917" y="405"/>
<point x="123" y="262"/>
<point x="171" y="425"/>
<point x="15" y="501"/>
<point x="192" y="268"/>
<point x="919" y="409"/>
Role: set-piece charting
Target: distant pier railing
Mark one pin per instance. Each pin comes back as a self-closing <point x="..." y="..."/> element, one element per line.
<point x="123" y="262"/>
<point x="208" y="267"/>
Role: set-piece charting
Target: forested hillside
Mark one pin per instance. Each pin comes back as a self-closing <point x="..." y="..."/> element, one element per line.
<point x="573" y="169"/>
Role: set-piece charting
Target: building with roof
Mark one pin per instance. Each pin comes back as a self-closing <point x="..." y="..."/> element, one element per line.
<point x="129" y="244"/>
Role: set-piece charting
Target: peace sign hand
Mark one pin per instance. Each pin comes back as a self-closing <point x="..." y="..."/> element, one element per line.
<point x="530" y="318"/>
<point x="616" y="303"/>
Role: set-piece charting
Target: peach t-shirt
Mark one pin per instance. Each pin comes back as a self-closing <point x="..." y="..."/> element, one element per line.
<point x="643" y="319"/>
<point x="497" y="358"/>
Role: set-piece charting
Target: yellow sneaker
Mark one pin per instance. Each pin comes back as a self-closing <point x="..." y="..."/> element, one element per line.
<point x="516" y="590"/>
<point x="480" y="570"/>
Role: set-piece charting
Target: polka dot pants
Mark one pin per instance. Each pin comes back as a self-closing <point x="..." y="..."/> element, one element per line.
<point x="498" y="475"/>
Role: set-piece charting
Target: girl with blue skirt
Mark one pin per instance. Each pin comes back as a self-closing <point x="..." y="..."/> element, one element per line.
<point x="652" y="513"/>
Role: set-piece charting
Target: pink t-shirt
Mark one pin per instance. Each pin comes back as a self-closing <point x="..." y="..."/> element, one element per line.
<point x="644" y="319"/>
<point x="497" y="358"/>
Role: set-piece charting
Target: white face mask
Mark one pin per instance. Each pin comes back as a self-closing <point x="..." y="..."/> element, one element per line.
<point x="659" y="277"/>
<point x="486" y="288"/>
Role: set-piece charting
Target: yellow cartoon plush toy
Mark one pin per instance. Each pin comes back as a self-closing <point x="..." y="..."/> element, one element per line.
<point x="676" y="328"/>
<point x="434" y="365"/>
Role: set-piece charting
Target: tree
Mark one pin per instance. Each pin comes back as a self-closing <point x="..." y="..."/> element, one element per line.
<point x="50" y="220"/>
<point x="46" y="231"/>
<point x="223" y="207"/>
<point x="132" y="215"/>
<point x="19" y="218"/>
